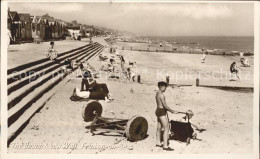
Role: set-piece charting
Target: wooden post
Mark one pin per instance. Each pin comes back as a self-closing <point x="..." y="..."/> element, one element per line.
<point x="139" y="79"/>
<point x="167" y="79"/>
<point x="197" y="82"/>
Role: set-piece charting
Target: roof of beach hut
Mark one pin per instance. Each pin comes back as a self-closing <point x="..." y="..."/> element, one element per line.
<point x="24" y="17"/>
<point x="14" y="16"/>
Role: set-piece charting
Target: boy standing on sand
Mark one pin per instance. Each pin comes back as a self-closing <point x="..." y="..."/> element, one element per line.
<point x="162" y="117"/>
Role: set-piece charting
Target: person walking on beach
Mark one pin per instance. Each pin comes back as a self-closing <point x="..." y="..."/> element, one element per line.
<point x="234" y="70"/>
<point x="203" y="58"/>
<point x="241" y="54"/>
<point x="162" y="117"/>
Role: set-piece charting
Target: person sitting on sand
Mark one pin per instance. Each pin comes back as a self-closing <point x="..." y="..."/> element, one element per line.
<point x="130" y="75"/>
<point x="85" y="75"/>
<point x="245" y="62"/>
<point x="94" y="90"/>
<point x="162" y="117"/>
<point x="234" y="70"/>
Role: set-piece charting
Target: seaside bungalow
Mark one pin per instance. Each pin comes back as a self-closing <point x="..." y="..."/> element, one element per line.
<point x="87" y="31"/>
<point x="74" y="32"/>
<point x="14" y="25"/>
<point x="26" y="27"/>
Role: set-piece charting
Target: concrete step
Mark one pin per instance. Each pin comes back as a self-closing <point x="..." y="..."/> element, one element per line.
<point x="31" y="64"/>
<point x="22" y="112"/>
<point x="19" y="94"/>
<point x="17" y="111"/>
<point x="46" y="68"/>
<point x="33" y="67"/>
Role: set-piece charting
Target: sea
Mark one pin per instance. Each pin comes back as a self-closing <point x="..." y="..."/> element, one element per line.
<point x="227" y="43"/>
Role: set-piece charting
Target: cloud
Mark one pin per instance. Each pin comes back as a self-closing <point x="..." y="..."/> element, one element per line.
<point x="195" y="11"/>
<point x="53" y="7"/>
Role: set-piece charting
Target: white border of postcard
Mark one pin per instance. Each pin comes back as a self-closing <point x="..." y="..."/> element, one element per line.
<point x="5" y="155"/>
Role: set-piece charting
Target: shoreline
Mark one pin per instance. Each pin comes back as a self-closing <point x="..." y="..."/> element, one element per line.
<point x="179" y="47"/>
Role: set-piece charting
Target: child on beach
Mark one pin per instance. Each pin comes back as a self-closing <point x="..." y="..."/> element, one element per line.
<point x="52" y="53"/>
<point x="162" y="117"/>
<point x="234" y="70"/>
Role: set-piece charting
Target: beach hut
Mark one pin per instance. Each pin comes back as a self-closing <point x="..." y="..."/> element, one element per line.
<point x="15" y="25"/>
<point x="62" y="28"/>
<point x="48" y="31"/>
<point x="26" y="27"/>
<point x="38" y="27"/>
<point x="52" y="25"/>
<point x="9" y="20"/>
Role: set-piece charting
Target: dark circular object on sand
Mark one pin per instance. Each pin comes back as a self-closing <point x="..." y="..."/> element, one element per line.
<point x="90" y="110"/>
<point x="136" y="128"/>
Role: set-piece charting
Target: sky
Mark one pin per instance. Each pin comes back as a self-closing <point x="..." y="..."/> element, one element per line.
<point x="153" y="19"/>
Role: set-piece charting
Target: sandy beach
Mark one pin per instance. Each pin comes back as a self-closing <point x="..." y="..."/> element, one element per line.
<point x="225" y="115"/>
